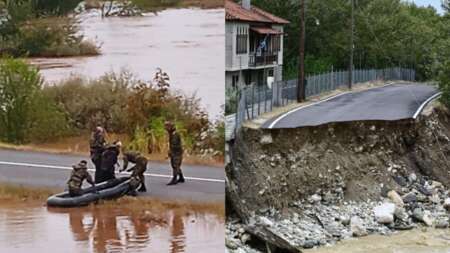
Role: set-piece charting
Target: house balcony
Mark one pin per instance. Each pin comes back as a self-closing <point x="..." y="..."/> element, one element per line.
<point x="262" y="60"/>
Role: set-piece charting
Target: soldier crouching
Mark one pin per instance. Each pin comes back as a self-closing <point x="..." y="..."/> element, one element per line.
<point x="78" y="175"/>
<point x="140" y="166"/>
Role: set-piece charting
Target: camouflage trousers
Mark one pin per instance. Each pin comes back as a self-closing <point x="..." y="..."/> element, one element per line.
<point x="175" y="162"/>
<point x="138" y="173"/>
<point x="74" y="192"/>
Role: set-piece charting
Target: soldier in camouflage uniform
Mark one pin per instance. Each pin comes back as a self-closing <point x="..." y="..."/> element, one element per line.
<point x="140" y="166"/>
<point x="109" y="160"/>
<point x="78" y="175"/>
<point x="97" y="146"/>
<point x="175" y="153"/>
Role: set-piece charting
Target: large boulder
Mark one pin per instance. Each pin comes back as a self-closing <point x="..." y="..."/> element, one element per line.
<point x="384" y="213"/>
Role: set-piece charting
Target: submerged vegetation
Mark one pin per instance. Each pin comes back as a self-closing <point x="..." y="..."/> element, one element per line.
<point x="32" y="112"/>
<point x="156" y="5"/>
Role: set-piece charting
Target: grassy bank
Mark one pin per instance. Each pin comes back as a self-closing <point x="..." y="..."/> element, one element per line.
<point x="12" y="193"/>
<point x="79" y="145"/>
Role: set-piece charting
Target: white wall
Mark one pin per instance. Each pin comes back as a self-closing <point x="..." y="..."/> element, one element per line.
<point x="234" y="61"/>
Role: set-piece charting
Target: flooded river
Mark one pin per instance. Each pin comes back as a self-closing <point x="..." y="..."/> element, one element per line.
<point x="414" y="241"/>
<point x="25" y="229"/>
<point x="186" y="43"/>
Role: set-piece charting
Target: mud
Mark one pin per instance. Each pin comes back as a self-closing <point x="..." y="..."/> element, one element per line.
<point x="33" y="228"/>
<point x="431" y="241"/>
<point x="357" y="158"/>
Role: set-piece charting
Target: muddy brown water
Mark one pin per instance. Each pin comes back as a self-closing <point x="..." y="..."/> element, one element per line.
<point x="413" y="241"/>
<point x="25" y="228"/>
<point x="186" y="43"/>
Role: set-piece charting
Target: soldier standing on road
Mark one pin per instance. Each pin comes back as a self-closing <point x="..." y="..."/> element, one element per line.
<point x="78" y="175"/>
<point x="109" y="160"/>
<point x="175" y="153"/>
<point x="140" y="166"/>
<point x="97" y="146"/>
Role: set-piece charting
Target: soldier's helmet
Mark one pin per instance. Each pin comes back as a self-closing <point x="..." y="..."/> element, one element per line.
<point x="169" y="125"/>
<point x="81" y="165"/>
<point x="99" y="129"/>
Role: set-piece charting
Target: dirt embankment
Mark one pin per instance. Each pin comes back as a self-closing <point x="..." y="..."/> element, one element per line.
<point x="299" y="181"/>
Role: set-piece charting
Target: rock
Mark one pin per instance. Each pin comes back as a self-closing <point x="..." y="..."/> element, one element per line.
<point x="412" y="177"/>
<point x="423" y="190"/>
<point x="384" y="213"/>
<point x="309" y="244"/>
<point x="245" y="238"/>
<point x="359" y="149"/>
<point x="230" y="244"/>
<point x="435" y="199"/>
<point x="442" y="224"/>
<point x="409" y="198"/>
<point x="447" y="204"/>
<point x="357" y="227"/>
<point x="423" y="216"/>
<point x="401" y="214"/>
<point x="315" y="198"/>
<point x="400" y="180"/>
<point x="265" y="221"/>
<point x="395" y="198"/>
<point x="427" y="219"/>
<point x="266" y="139"/>
<point x="345" y="220"/>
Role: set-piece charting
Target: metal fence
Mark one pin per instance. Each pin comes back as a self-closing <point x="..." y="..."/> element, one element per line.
<point x="254" y="100"/>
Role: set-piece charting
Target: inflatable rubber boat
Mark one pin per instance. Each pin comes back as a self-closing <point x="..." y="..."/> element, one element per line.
<point x="111" y="189"/>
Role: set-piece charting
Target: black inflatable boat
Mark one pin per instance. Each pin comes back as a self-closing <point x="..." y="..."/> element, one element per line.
<point x="107" y="190"/>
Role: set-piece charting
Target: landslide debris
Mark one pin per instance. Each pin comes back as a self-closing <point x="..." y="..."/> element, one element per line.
<point x="301" y="188"/>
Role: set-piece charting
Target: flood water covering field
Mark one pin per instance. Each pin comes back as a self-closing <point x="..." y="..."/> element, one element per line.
<point x="186" y="43"/>
<point x="37" y="229"/>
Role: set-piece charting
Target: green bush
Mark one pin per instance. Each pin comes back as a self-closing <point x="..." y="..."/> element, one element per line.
<point x="124" y="104"/>
<point x="25" y="113"/>
<point x="444" y="83"/>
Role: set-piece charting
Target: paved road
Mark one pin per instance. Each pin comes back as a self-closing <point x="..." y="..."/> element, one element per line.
<point x="391" y="102"/>
<point x="51" y="170"/>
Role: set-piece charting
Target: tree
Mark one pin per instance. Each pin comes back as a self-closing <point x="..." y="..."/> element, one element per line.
<point x="446" y="5"/>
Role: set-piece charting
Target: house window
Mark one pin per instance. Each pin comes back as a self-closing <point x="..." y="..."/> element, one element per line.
<point x="241" y="40"/>
<point x="235" y="81"/>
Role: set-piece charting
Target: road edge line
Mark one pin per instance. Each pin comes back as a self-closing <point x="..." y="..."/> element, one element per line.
<point x="70" y="168"/>
<point x="425" y="103"/>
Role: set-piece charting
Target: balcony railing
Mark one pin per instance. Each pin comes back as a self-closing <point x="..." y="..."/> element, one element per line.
<point x="262" y="60"/>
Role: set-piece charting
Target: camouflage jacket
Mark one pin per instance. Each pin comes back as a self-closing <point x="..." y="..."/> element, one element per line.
<point x="97" y="143"/>
<point x="78" y="175"/>
<point x="133" y="157"/>
<point x="175" y="144"/>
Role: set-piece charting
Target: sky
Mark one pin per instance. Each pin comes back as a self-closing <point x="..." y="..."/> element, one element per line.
<point x="435" y="3"/>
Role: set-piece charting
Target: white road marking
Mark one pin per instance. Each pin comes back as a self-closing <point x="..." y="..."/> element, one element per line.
<point x="316" y="103"/>
<point x="425" y="103"/>
<point x="70" y="168"/>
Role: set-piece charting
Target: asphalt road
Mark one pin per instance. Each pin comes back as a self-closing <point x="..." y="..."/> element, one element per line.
<point x="52" y="170"/>
<point x="391" y="102"/>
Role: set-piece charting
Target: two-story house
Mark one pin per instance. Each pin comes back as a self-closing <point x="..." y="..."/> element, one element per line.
<point x="254" y="45"/>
